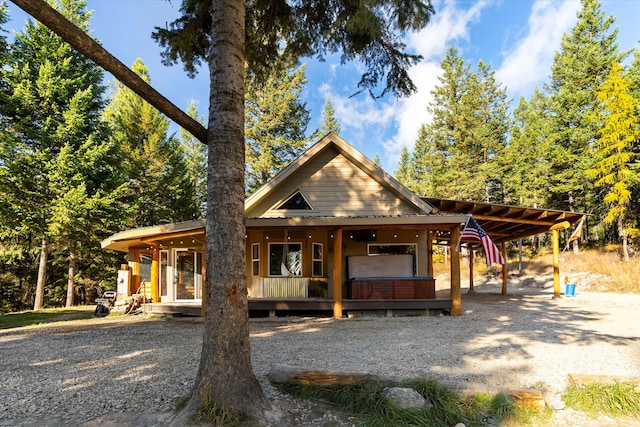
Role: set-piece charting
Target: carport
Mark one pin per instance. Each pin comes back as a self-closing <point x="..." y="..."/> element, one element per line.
<point x="506" y="223"/>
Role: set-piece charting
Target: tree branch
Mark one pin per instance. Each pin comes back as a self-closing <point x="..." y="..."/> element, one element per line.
<point x="84" y="44"/>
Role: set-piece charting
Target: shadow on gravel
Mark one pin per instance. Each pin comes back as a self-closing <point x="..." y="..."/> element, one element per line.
<point x="66" y="368"/>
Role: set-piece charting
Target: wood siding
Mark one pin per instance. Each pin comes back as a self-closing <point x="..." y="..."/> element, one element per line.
<point x="333" y="186"/>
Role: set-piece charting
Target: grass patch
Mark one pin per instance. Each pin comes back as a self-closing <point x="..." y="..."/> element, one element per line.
<point x="611" y="399"/>
<point x="38" y="317"/>
<point x="223" y="417"/>
<point x="368" y="407"/>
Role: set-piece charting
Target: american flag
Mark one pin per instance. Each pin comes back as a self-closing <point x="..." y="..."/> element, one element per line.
<point x="473" y="231"/>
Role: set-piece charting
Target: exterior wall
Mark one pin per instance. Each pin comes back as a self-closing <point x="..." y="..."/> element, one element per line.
<point x="306" y="238"/>
<point x="333" y="186"/>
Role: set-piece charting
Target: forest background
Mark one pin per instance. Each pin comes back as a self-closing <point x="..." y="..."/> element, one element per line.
<point x="80" y="160"/>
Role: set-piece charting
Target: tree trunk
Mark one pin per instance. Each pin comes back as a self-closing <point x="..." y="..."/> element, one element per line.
<point x="42" y="274"/>
<point x="225" y="378"/>
<point x="623" y="237"/>
<point x="575" y="244"/>
<point x="71" y="280"/>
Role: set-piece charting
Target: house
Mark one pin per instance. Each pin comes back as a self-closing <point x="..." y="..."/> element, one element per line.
<point x="331" y="232"/>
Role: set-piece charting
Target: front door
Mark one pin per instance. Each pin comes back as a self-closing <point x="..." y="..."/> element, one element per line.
<point x="188" y="275"/>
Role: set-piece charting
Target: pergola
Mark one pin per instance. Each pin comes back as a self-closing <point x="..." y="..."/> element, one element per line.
<point x="505" y="223"/>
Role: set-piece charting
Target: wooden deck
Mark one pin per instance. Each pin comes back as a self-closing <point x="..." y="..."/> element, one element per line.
<point x="262" y="307"/>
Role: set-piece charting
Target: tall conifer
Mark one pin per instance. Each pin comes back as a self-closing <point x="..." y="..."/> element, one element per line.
<point x="618" y="123"/>
<point x="276" y="119"/>
<point x="160" y="190"/>
<point x="582" y="64"/>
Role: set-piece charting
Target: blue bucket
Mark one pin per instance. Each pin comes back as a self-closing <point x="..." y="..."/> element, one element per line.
<point x="570" y="290"/>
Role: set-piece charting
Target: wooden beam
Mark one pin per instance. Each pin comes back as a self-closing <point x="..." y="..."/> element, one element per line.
<point x="471" y="261"/>
<point x="90" y="48"/>
<point x="514" y="220"/>
<point x="555" y="244"/>
<point x="456" y="297"/>
<point x="337" y="273"/>
<point x="430" y="252"/>
<point x="504" y="268"/>
<point x="155" y="270"/>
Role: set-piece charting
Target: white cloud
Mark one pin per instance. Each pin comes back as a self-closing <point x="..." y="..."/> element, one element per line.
<point x="529" y="60"/>
<point x="369" y="121"/>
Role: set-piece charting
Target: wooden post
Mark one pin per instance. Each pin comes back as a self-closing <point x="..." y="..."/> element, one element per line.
<point x="471" y="261"/>
<point x="337" y="273"/>
<point x="155" y="270"/>
<point x="555" y="244"/>
<point x="456" y="298"/>
<point x="430" y="253"/>
<point x="504" y="268"/>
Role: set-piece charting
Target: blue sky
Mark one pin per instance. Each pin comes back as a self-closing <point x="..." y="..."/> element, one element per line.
<point x="518" y="38"/>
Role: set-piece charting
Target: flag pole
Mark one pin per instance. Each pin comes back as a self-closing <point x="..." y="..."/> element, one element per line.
<point x="460" y="237"/>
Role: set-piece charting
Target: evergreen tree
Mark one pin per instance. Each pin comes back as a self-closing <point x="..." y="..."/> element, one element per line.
<point x="528" y="146"/>
<point x="329" y="122"/>
<point x="582" y="64"/>
<point x="377" y="160"/>
<point x="53" y="108"/>
<point x="196" y="159"/>
<point x="403" y="174"/>
<point x="457" y="154"/>
<point x="484" y="124"/>
<point x="633" y="75"/>
<point x="428" y="166"/>
<point x="618" y="123"/>
<point x="275" y="122"/>
<point x="160" y="189"/>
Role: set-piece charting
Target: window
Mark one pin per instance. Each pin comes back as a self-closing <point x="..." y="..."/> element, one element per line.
<point x="296" y="202"/>
<point x="317" y="260"/>
<point x="255" y="259"/>
<point x="164" y="263"/>
<point x="285" y="259"/>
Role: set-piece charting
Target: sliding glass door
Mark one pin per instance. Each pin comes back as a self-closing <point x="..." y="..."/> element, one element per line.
<point x="188" y="275"/>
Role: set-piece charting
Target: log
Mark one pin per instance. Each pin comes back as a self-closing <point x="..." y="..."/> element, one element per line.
<point x="522" y="397"/>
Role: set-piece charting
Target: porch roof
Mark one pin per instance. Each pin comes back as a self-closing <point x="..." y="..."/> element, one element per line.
<point x="193" y="229"/>
<point x="504" y="223"/>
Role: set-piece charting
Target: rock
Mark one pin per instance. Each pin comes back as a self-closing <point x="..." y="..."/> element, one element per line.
<point x="404" y="397"/>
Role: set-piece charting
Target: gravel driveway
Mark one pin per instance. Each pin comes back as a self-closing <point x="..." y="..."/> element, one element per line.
<point x="132" y="370"/>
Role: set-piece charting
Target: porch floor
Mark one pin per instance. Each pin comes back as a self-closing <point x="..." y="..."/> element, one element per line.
<point x="260" y="307"/>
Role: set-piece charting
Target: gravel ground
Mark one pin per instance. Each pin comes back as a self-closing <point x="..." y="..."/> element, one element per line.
<point x="130" y="371"/>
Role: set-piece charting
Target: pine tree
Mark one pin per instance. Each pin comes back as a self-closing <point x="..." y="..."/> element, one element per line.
<point x="582" y="64"/>
<point x="456" y="154"/>
<point x="377" y="160"/>
<point x="618" y="123"/>
<point x="428" y="166"/>
<point x="403" y="174"/>
<point x="528" y="146"/>
<point x="329" y="122"/>
<point x="160" y="189"/>
<point x="195" y="153"/>
<point x="275" y="122"/>
<point x="54" y="104"/>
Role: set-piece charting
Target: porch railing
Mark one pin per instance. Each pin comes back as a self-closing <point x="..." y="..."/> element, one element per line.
<point x="288" y="287"/>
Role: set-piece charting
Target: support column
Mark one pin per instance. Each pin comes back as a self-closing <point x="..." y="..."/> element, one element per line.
<point x="555" y="244"/>
<point x="155" y="276"/>
<point x="337" y="273"/>
<point x="471" y="262"/>
<point x="430" y="253"/>
<point x="504" y="268"/>
<point x="456" y="298"/>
